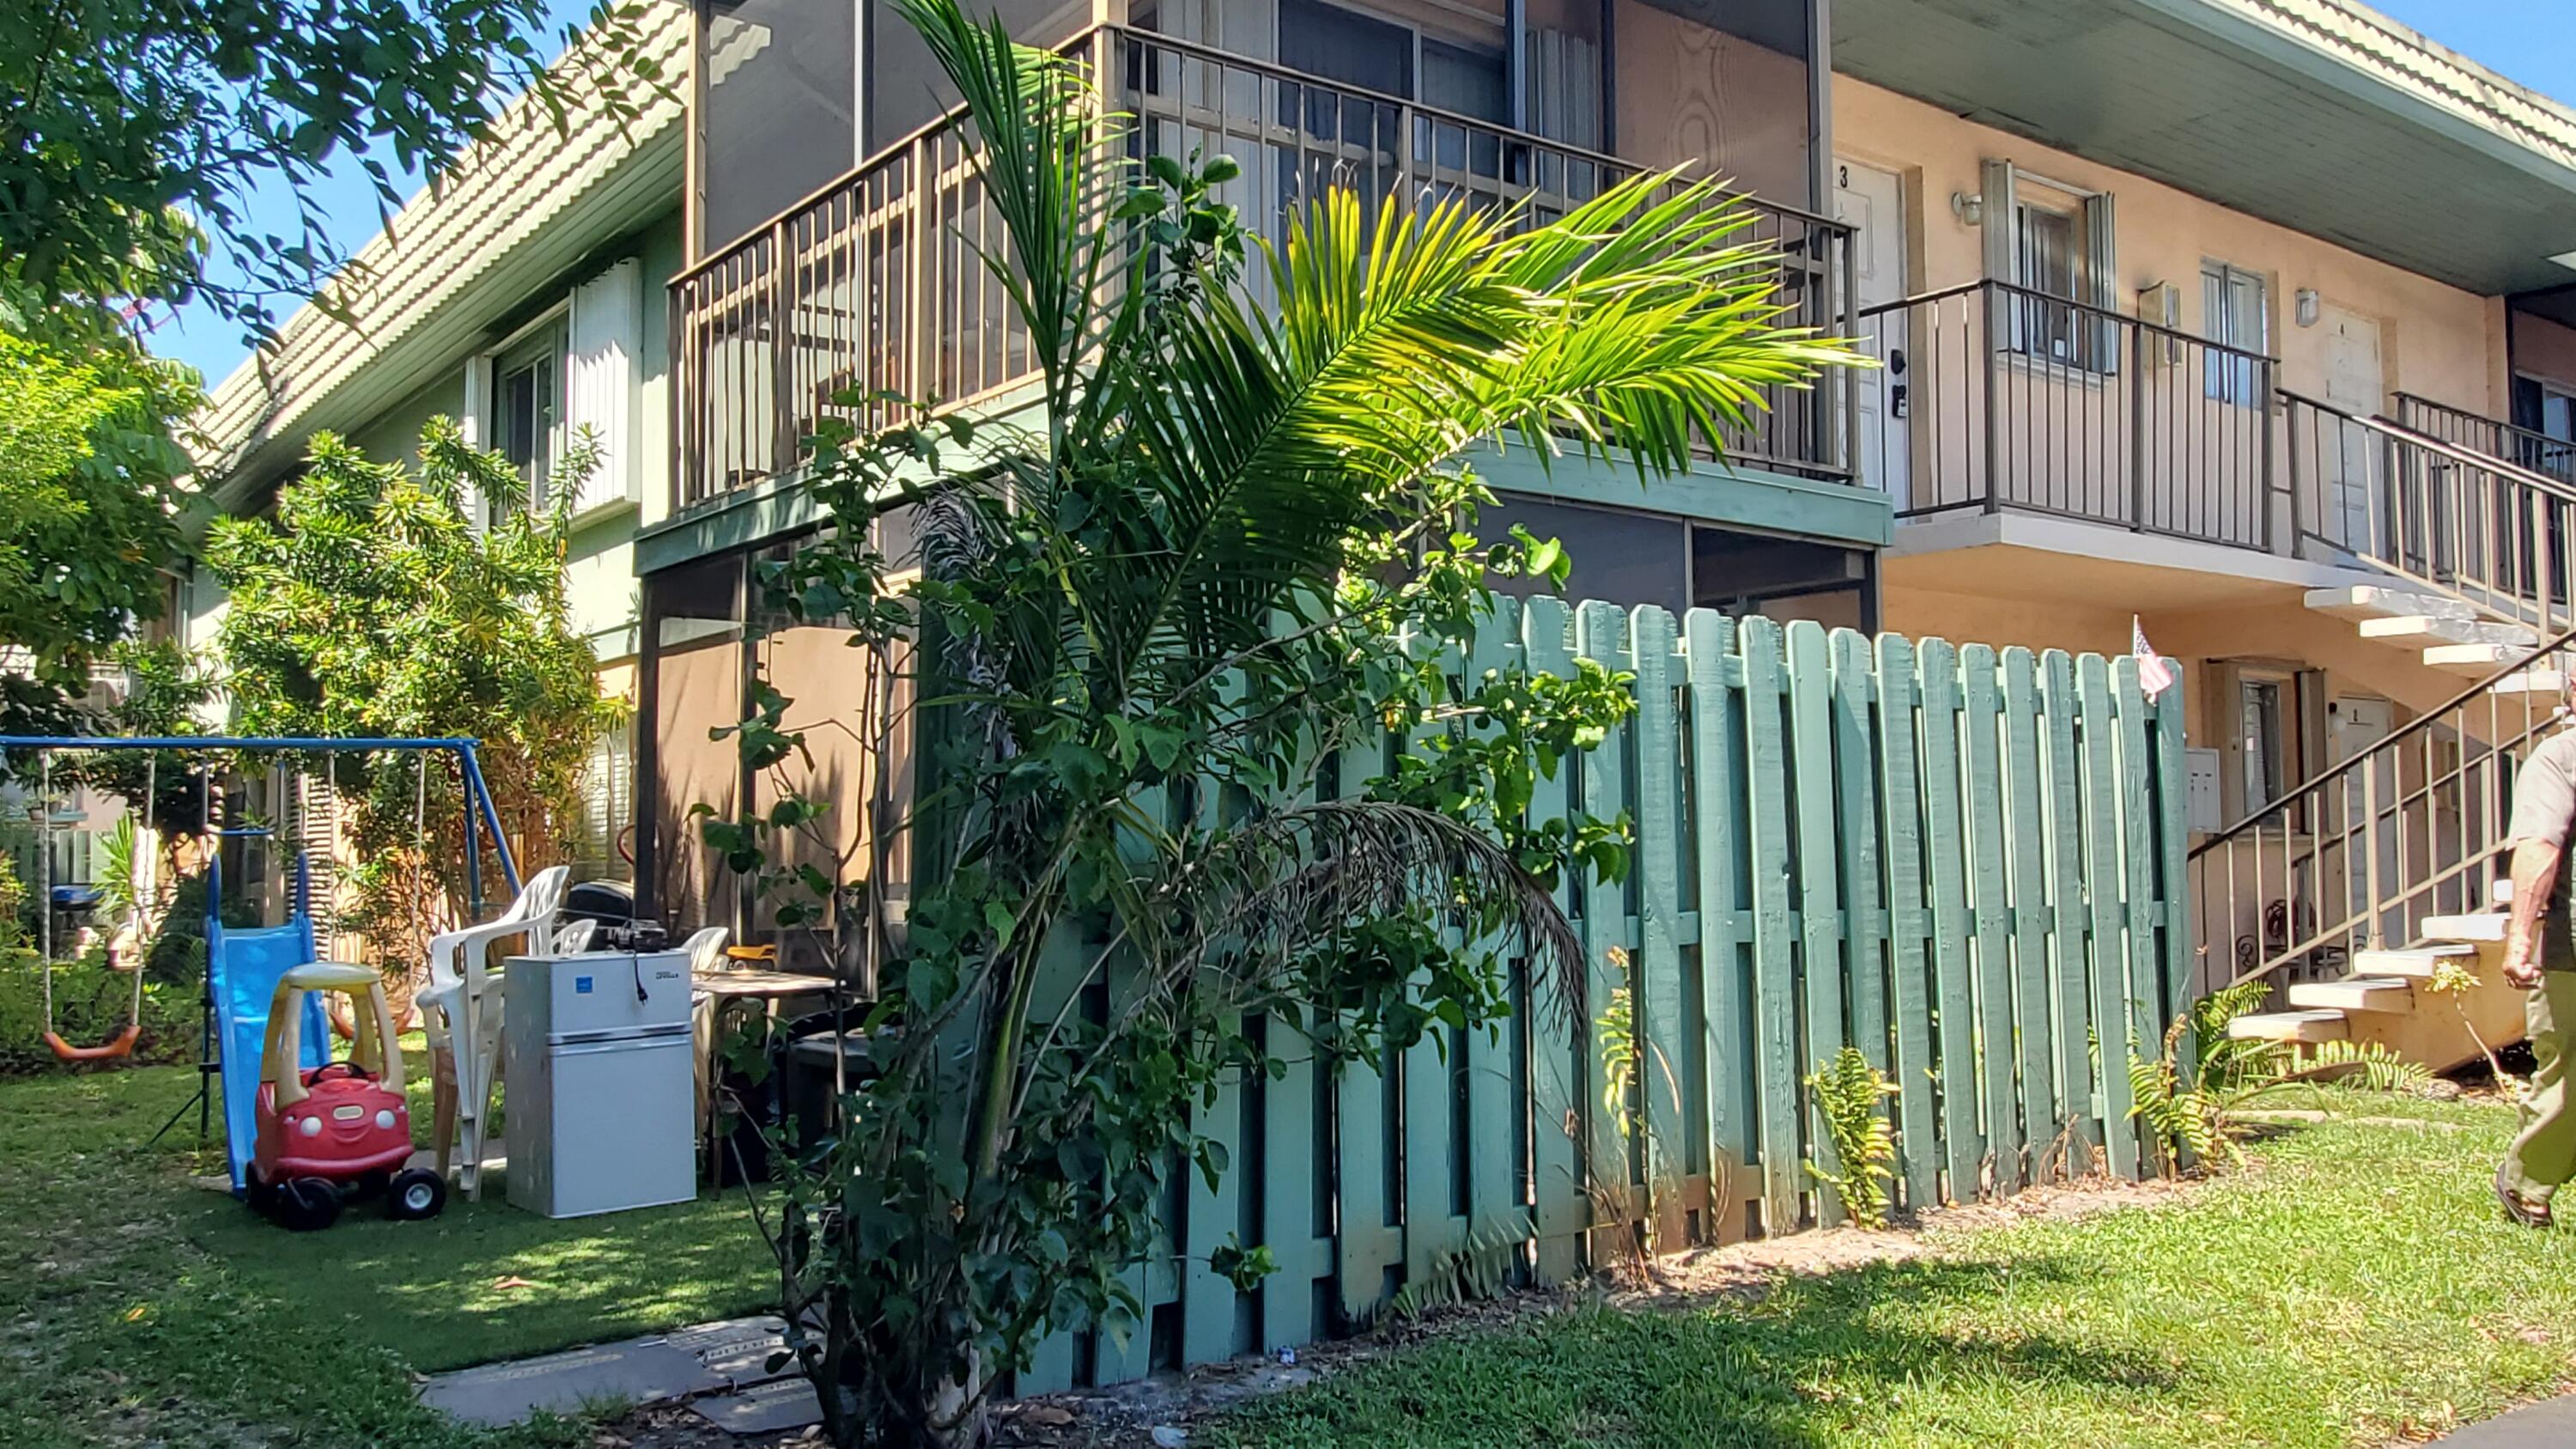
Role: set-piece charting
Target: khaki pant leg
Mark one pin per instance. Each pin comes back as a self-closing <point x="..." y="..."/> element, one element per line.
<point x="2543" y="1156"/>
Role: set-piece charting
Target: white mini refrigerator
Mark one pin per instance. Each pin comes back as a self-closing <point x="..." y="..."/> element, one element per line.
<point x="599" y="1069"/>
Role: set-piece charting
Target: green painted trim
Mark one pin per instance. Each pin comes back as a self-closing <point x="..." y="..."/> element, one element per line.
<point x="776" y="507"/>
<point x="1733" y="495"/>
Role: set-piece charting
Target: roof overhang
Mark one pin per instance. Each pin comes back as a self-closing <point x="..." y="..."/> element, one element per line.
<point x="463" y="258"/>
<point x="2316" y="114"/>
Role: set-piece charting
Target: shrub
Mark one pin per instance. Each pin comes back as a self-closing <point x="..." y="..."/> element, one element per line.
<point x="90" y="1005"/>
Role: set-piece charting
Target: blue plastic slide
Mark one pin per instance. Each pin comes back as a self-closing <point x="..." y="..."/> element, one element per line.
<point x="245" y="965"/>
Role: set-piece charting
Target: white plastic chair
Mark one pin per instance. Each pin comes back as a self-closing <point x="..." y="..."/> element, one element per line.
<point x="575" y="936"/>
<point x="706" y="949"/>
<point x="461" y="1016"/>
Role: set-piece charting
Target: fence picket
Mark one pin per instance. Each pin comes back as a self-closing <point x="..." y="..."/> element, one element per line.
<point x="2079" y="1095"/>
<point x="1864" y="915"/>
<point x="1775" y="982"/>
<point x="2138" y="854"/>
<point x="1725" y="929"/>
<point x="1820" y="934"/>
<point x="2025" y="805"/>
<point x="1918" y="1142"/>
<point x="2106" y="952"/>
<point x="1656" y="980"/>
<point x="1557" y="1037"/>
<point x="1980" y="728"/>
<point x="1601" y="635"/>
<point x="1945" y="841"/>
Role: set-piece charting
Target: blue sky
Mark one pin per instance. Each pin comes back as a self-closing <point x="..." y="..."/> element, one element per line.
<point x="2531" y="41"/>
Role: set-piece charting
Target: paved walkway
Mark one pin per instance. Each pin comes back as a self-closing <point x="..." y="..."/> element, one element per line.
<point x="2549" y="1424"/>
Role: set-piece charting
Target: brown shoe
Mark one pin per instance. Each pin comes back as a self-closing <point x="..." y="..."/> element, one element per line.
<point x="2516" y="1209"/>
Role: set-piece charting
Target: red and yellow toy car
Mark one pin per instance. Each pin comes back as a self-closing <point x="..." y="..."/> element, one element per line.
<point x="340" y="1128"/>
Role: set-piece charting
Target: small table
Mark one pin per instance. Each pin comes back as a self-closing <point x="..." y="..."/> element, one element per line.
<point x="718" y="993"/>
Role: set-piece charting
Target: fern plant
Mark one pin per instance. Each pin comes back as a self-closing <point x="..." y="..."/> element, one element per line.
<point x="2192" y="1097"/>
<point x="1848" y="1092"/>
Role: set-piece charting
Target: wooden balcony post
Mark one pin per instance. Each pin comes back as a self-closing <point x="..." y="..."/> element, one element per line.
<point x="782" y="352"/>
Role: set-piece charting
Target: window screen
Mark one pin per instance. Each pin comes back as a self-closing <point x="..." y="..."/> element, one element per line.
<point x="1626" y="558"/>
<point x="781" y="82"/>
<point x="1344" y="45"/>
<point x="2232" y="312"/>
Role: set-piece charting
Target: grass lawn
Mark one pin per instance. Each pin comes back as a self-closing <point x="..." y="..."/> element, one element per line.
<point x="2356" y="1286"/>
<point x="143" y="1309"/>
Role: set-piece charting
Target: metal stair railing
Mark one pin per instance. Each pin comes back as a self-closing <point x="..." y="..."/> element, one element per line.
<point x="2359" y="856"/>
<point x="2523" y="447"/>
<point x="2456" y="521"/>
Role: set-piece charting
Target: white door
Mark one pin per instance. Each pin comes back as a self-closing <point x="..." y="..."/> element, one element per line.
<point x="2354" y="384"/>
<point x="1874" y="201"/>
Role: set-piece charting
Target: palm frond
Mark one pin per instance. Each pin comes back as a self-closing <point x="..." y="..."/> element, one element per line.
<point x="1300" y="874"/>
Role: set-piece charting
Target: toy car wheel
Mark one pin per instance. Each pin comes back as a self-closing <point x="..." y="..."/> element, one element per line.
<point x="416" y="1193"/>
<point x="308" y="1204"/>
<point x="261" y="1197"/>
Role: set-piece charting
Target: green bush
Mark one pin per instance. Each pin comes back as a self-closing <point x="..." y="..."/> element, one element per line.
<point x="90" y="1003"/>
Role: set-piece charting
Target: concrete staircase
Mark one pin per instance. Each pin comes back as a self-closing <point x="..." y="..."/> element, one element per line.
<point x="2383" y="997"/>
<point x="2445" y="633"/>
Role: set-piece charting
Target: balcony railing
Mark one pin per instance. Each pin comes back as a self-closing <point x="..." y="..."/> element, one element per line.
<point x="875" y="285"/>
<point x="2460" y="521"/>
<point x="1993" y="397"/>
<point x="2523" y="447"/>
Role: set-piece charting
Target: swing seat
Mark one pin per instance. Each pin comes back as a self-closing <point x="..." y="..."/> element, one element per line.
<point x="116" y="1048"/>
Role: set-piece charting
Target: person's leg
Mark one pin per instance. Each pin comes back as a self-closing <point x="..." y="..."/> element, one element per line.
<point x="2543" y="1155"/>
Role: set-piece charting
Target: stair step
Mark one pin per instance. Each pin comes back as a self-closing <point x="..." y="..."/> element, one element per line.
<point x="2472" y="658"/>
<point x="2291" y="1026"/>
<point x="2435" y="629"/>
<point x="2356" y="993"/>
<point x="2374" y="601"/>
<point x="2531" y="681"/>
<point x="2418" y="962"/>
<point x="2478" y="926"/>
<point x="2500" y="891"/>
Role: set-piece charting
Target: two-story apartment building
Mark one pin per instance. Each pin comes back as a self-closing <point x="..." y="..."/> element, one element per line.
<point x="2156" y="286"/>
<point x="2241" y="318"/>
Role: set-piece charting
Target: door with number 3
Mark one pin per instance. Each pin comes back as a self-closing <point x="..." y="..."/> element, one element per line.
<point x="1874" y="201"/>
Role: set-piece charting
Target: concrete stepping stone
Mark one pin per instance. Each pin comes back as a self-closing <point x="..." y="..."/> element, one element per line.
<point x="738" y="1350"/>
<point x="772" y="1408"/>
<point x="639" y="1370"/>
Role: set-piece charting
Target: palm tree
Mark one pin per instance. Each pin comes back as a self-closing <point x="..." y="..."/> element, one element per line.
<point x="1145" y="630"/>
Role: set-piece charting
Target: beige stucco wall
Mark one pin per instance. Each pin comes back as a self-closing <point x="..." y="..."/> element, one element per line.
<point x="2544" y="349"/>
<point x="2435" y="340"/>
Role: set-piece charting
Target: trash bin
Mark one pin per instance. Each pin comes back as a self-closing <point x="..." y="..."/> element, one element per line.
<point x="807" y="1087"/>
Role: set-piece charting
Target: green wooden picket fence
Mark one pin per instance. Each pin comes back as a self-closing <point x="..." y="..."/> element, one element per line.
<point x="1966" y="862"/>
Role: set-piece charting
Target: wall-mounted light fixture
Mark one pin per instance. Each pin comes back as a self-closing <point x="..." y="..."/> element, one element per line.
<point x="2303" y="306"/>
<point x="1968" y="207"/>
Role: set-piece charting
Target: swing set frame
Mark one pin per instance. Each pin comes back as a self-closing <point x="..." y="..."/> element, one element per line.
<point x="482" y="819"/>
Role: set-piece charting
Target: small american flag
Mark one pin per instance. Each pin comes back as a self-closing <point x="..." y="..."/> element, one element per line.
<point x="2155" y="672"/>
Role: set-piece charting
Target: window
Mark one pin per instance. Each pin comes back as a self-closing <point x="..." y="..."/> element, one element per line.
<point x="2233" y="312"/>
<point x="2048" y="259"/>
<point x="527" y="407"/>
<point x="604" y="848"/>
<point x="2259" y="723"/>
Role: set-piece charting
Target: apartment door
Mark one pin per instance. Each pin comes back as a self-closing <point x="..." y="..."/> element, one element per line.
<point x="1874" y="201"/>
<point x="2353" y="384"/>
